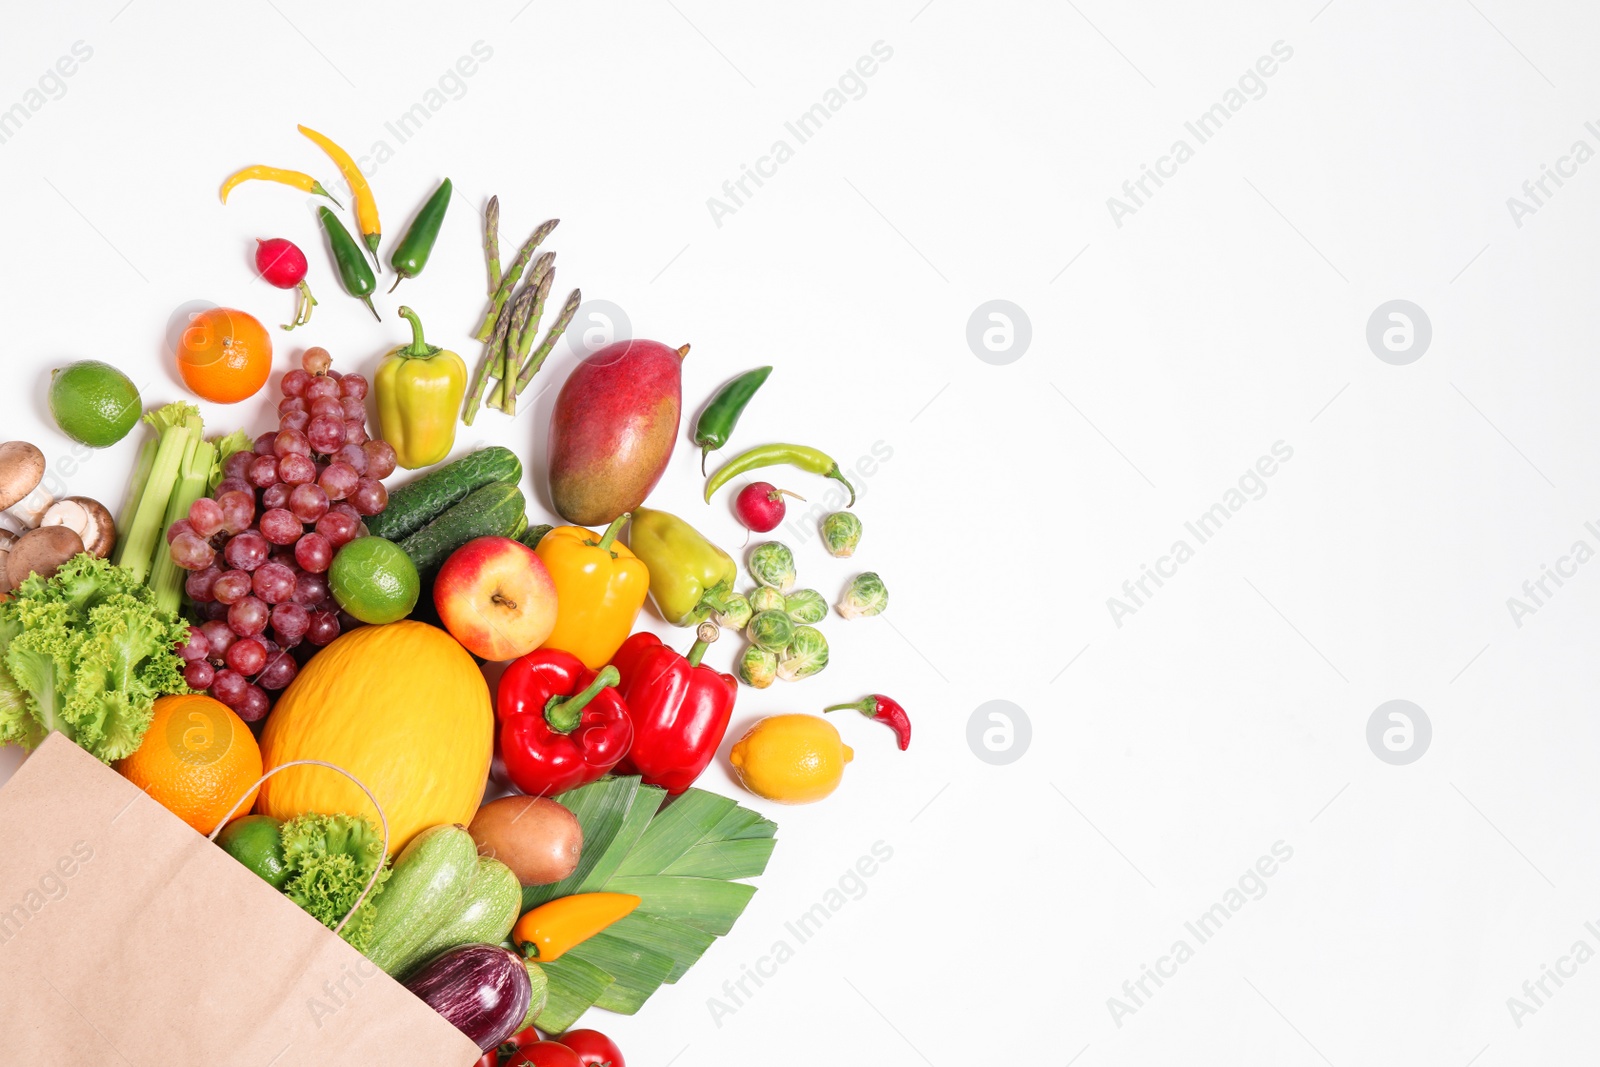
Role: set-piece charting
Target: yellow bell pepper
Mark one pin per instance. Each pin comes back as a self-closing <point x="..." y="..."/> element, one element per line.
<point x="419" y="389"/>
<point x="600" y="588"/>
<point x="549" y="930"/>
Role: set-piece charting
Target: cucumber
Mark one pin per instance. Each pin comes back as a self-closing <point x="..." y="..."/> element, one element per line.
<point x="427" y="886"/>
<point x="492" y="511"/>
<point x="491" y="907"/>
<point x="534" y="534"/>
<point x="411" y="507"/>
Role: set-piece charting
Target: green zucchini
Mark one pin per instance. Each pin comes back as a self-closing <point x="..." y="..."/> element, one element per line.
<point x="491" y="511"/>
<point x="411" y="507"/>
<point x="486" y="914"/>
<point x="541" y="994"/>
<point x="431" y="877"/>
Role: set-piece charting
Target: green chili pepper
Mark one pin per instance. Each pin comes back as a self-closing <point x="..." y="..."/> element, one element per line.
<point x="716" y="422"/>
<point x="411" y="254"/>
<point x="807" y="459"/>
<point x="358" y="279"/>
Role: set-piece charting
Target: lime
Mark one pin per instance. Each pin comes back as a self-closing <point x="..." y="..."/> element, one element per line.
<point x="94" y="403"/>
<point x="374" y="580"/>
<point x="254" y="842"/>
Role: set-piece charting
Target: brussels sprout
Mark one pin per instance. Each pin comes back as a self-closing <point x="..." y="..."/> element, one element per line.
<point x="865" y="595"/>
<point x="806" y="655"/>
<point x="757" y="667"/>
<point x="805" y="605"/>
<point x="771" y="630"/>
<point x="841" y="533"/>
<point x="772" y="564"/>
<point x="737" y="617"/>
<point x="764" y="599"/>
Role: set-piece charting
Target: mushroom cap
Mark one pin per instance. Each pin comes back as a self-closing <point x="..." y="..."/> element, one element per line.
<point x="21" y="471"/>
<point x="101" y="525"/>
<point x="41" y="552"/>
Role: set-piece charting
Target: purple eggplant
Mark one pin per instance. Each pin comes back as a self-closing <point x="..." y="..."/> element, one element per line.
<point x="482" y="990"/>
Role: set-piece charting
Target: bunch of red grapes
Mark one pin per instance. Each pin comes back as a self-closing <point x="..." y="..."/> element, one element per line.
<point x="258" y="551"/>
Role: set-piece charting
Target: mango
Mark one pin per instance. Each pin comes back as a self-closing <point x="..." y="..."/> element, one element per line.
<point x="613" y="429"/>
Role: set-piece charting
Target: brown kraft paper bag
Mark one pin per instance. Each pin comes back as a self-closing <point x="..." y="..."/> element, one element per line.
<point x="127" y="938"/>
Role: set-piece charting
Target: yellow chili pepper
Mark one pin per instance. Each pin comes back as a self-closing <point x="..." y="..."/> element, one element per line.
<point x="600" y="587"/>
<point x="419" y="389"/>
<point x="366" y="206"/>
<point x="304" y="182"/>
<point x="549" y="930"/>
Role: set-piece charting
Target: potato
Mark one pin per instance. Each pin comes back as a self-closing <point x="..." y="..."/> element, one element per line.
<point x="536" y="837"/>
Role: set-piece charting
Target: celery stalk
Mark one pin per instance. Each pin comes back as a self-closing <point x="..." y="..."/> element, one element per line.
<point x="141" y="478"/>
<point x="194" y="479"/>
<point x="178" y="424"/>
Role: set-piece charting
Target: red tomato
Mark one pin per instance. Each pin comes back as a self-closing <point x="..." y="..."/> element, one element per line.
<point x="594" y="1049"/>
<point x="544" y="1054"/>
<point x="521" y="1039"/>
<point x="490" y="1059"/>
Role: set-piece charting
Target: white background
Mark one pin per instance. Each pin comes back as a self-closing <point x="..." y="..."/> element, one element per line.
<point x="1168" y="353"/>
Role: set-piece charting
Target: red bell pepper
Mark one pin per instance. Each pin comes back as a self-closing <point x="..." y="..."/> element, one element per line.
<point x="679" y="707"/>
<point x="561" y="724"/>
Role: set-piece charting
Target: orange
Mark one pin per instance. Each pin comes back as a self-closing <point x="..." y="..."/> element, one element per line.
<point x="197" y="760"/>
<point x="225" y="355"/>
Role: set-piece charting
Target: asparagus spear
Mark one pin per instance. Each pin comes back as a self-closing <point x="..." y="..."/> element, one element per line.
<point x="522" y="334"/>
<point x="505" y="367"/>
<point x="491" y="242"/>
<point x="520" y="307"/>
<point x="491" y="361"/>
<point x="535" y="361"/>
<point x="508" y="281"/>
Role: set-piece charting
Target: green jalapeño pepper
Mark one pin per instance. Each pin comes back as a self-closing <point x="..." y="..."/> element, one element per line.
<point x="807" y="459"/>
<point x="358" y="279"/>
<point x="717" y="421"/>
<point x="689" y="576"/>
<point x="419" y="388"/>
<point x="411" y="254"/>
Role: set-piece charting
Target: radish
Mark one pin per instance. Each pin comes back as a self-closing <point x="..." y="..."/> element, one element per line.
<point x="282" y="264"/>
<point x="760" y="505"/>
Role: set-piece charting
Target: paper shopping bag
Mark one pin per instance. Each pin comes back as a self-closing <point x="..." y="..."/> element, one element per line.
<point x="126" y="937"/>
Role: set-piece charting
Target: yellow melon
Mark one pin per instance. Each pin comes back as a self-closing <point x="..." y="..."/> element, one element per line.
<point x="404" y="708"/>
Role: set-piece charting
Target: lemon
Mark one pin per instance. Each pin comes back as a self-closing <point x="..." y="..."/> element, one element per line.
<point x="374" y="580"/>
<point x="792" y="759"/>
<point x="94" y="403"/>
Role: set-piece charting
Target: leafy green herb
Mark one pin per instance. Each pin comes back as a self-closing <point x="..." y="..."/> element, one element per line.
<point x="330" y="858"/>
<point x="86" y="653"/>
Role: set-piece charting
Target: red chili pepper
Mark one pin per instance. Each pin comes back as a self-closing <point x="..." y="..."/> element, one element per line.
<point x="561" y="724"/>
<point x="879" y="707"/>
<point x="680" y="708"/>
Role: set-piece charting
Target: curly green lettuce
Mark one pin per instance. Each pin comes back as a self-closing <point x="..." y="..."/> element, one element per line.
<point x="86" y="653"/>
<point x="330" y="858"/>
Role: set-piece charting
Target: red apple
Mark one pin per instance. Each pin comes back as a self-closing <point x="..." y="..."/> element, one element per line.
<point x="494" y="596"/>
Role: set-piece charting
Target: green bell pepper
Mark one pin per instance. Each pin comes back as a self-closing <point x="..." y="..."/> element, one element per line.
<point x="689" y="576"/>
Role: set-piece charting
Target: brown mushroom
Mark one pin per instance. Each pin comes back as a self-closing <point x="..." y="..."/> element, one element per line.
<point x="87" y="518"/>
<point x="7" y="541"/>
<point x="21" y="471"/>
<point x="41" y="552"/>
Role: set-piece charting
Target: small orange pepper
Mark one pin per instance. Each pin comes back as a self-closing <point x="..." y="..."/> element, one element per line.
<point x="548" y="931"/>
